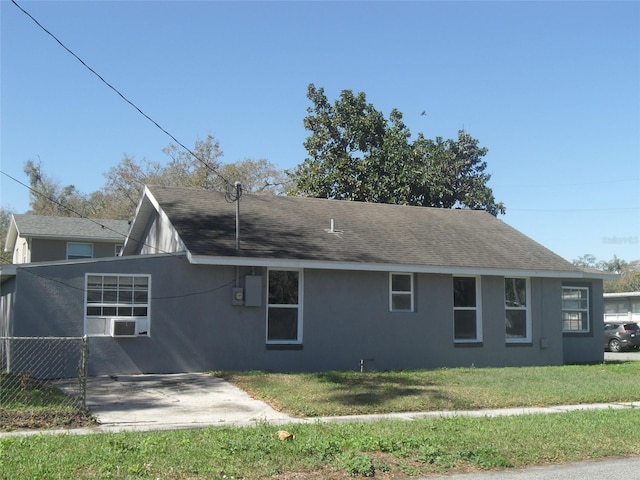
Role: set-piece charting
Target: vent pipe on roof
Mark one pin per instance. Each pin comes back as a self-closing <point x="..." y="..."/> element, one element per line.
<point x="332" y="228"/>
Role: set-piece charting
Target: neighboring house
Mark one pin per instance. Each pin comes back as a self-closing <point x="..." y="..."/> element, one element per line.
<point x="37" y="238"/>
<point x="622" y="307"/>
<point x="309" y="285"/>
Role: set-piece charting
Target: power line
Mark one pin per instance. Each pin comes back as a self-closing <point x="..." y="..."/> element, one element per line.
<point x="562" y="210"/>
<point x="28" y="268"/>
<point x="215" y="171"/>
<point x="572" y="184"/>
<point x="79" y="215"/>
<point x="62" y="205"/>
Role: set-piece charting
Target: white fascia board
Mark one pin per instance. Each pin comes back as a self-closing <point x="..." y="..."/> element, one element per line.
<point x="12" y="236"/>
<point x="621" y="294"/>
<point x="144" y="201"/>
<point x="380" y="267"/>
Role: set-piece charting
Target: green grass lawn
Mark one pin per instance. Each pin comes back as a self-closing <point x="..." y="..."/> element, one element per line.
<point x="27" y="403"/>
<point x="349" y="393"/>
<point x="387" y="449"/>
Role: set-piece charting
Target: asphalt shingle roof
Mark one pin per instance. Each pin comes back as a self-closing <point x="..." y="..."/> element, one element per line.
<point x="71" y="227"/>
<point x="299" y="228"/>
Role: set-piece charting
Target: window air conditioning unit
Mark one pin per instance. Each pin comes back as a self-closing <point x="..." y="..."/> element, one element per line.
<point x="121" y="327"/>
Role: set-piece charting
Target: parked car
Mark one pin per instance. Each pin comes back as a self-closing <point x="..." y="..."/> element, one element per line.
<point x="620" y="336"/>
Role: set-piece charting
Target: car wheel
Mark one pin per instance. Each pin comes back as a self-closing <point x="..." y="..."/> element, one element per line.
<point x="615" y="345"/>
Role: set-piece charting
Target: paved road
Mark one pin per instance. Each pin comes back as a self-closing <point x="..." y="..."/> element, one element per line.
<point x="623" y="356"/>
<point x="614" y="469"/>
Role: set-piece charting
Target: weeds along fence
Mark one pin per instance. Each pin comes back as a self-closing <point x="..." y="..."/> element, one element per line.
<point x="42" y="372"/>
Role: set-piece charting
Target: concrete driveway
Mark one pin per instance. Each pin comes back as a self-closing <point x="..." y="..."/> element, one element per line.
<point x="154" y="402"/>
<point x="189" y="400"/>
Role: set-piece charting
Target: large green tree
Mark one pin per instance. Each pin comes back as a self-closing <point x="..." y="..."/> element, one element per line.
<point x="355" y="153"/>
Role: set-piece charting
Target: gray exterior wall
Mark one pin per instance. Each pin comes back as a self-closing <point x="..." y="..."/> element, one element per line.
<point x="51" y="250"/>
<point x="587" y="347"/>
<point x="346" y="319"/>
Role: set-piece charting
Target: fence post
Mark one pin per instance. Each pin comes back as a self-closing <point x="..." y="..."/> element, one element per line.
<point x="8" y="353"/>
<point x="84" y="371"/>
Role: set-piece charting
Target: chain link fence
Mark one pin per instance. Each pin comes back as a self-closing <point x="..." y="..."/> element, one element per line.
<point x="43" y="372"/>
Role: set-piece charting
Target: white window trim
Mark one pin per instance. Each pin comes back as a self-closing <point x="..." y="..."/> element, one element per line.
<point x="477" y="309"/>
<point x="402" y="292"/>
<point x="587" y="310"/>
<point x="146" y="320"/>
<point x="79" y="243"/>
<point x="527" y="310"/>
<point x="298" y="340"/>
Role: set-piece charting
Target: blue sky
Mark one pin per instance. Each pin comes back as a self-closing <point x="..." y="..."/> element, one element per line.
<point x="552" y="89"/>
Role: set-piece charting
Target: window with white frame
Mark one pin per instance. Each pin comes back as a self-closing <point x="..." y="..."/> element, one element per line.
<point x="284" y="308"/>
<point x="117" y="301"/>
<point x="467" y="318"/>
<point x="401" y="292"/>
<point x="575" y="309"/>
<point x="79" y="250"/>
<point x="517" y="313"/>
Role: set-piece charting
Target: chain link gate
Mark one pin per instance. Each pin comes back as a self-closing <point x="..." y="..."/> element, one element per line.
<point x="40" y="372"/>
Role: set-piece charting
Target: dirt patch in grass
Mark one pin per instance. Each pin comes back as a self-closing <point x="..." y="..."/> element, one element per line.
<point x="387" y="467"/>
<point x="11" y="420"/>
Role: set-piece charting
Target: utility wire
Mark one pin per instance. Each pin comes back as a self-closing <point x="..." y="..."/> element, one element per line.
<point x="29" y="267"/>
<point x="572" y="184"/>
<point x="233" y="191"/>
<point x="62" y="205"/>
<point x="227" y="182"/>
<point x="78" y="214"/>
<point x="564" y="210"/>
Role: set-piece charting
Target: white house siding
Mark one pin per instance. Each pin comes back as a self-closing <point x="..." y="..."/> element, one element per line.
<point x="622" y="307"/>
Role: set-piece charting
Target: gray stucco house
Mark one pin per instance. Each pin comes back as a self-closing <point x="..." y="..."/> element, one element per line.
<point x="38" y="238"/>
<point x="301" y="284"/>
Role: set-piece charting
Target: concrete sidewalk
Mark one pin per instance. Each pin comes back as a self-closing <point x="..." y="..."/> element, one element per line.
<point x="192" y="400"/>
